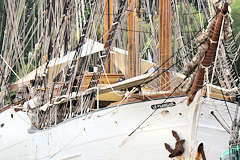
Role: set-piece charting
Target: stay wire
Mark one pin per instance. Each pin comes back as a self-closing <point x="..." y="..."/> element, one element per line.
<point x="224" y="97"/>
<point x="186" y="44"/>
<point x="172" y="91"/>
<point x="139" y="12"/>
<point x="235" y="70"/>
<point x="166" y="98"/>
<point x="161" y="103"/>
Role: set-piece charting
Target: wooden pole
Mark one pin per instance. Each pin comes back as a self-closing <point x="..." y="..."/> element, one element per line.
<point x="137" y="37"/>
<point x="164" y="42"/>
<point x="133" y="38"/>
<point x="108" y="20"/>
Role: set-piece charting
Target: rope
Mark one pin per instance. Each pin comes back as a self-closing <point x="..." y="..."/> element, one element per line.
<point x="225" y="99"/>
<point x="157" y="109"/>
<point x="168" y="96"/>
<point x="10" y="67"/>
<point x="152" y="73"/>
<point x="105" y="74"/>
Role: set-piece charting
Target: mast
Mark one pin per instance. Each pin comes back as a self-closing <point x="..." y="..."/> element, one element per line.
<point x="164" y="42"/>
<point x="133" y="38"/>
<point x="108" y="20"/>
<point x="137" y="37"/>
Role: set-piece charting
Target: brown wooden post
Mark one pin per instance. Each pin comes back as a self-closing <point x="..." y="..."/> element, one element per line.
<point x="108" y="20"/>
<point x="137" y="37"/>
<point x="164" y="42"/>
<point x="133" y="38"/>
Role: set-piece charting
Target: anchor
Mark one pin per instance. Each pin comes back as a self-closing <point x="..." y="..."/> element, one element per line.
<point x="178" y="150"/>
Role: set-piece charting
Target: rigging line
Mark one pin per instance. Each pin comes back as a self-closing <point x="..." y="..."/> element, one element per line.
<point x="226" y="128"/>
<point x="159" y="67"/>
<point x="27" y="42"/>
<point x="6" y="88"/>
<point x="96" y="76"/>
<point x="163" y="101"/>
<point x="236" y="57"/>
<point x="78" y="49"/>
<point x="153" y="30"/>
<point x="222" y="117"/>
<point x="126" y="29"/>
<point x="110" y="38"/>
<point x="186" y="44"/>
<point x="199" y="13"/>
<point x="126" y="96"/>
<point x="168" y="60"/>
<point x="192" y="13"/>
<point x="234" y="36"/>
<point x="10" y="68"/>
<point x="84" y="31"/>
<point x="105" y="74"/>
<point x="200" y="30"/>
<point x="48" y="33"/>
<point x="224" y="97"/>
<point x="234" y="64"/>
<point x="235" y="70"/>
<point x="157" y="109"/>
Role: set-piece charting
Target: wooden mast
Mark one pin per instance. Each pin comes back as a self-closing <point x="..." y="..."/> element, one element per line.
<point x="199" y="78"/>
<point x="164" y="42"/>
<point x="108" y="20"/>
<point x="133" y="38"/>
<point x="137" y="37"/>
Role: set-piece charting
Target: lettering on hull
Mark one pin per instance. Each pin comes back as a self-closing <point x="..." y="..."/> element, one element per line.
<point x="163" y="105"/>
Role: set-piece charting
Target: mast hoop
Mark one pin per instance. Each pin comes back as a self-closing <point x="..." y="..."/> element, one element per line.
<point x="213" y="42"/>
<point x="204" y="67"/>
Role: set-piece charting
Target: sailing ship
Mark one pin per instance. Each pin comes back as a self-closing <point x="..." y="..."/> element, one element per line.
<point x="100" y="96"/>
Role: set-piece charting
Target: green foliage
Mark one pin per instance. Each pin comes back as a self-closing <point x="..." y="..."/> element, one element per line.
<point x="10" y="98"/>
<point x="236" y="16"/>
<point x="189" y="20"/>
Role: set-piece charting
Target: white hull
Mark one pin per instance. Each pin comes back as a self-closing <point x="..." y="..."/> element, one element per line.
<point x="103" y="135"/>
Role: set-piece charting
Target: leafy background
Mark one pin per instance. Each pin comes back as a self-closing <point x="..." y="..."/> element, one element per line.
<point x="236" y="16"/>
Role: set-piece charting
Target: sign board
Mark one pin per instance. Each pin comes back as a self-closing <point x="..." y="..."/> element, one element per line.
<point x="163" y="105"/>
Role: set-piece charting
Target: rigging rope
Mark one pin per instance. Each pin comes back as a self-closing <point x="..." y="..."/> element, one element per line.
<point x="9" y="67"/>
<point x="224" y="99"/>
<point x="96" y="76"/>
<point x="107" y="51"/>
<point x="157" y="108"/>
<point x="160" y="66"/>
<point x="168" y="96"/>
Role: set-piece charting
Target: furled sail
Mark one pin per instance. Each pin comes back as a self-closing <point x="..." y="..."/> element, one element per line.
<point x="209" y="55"/>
